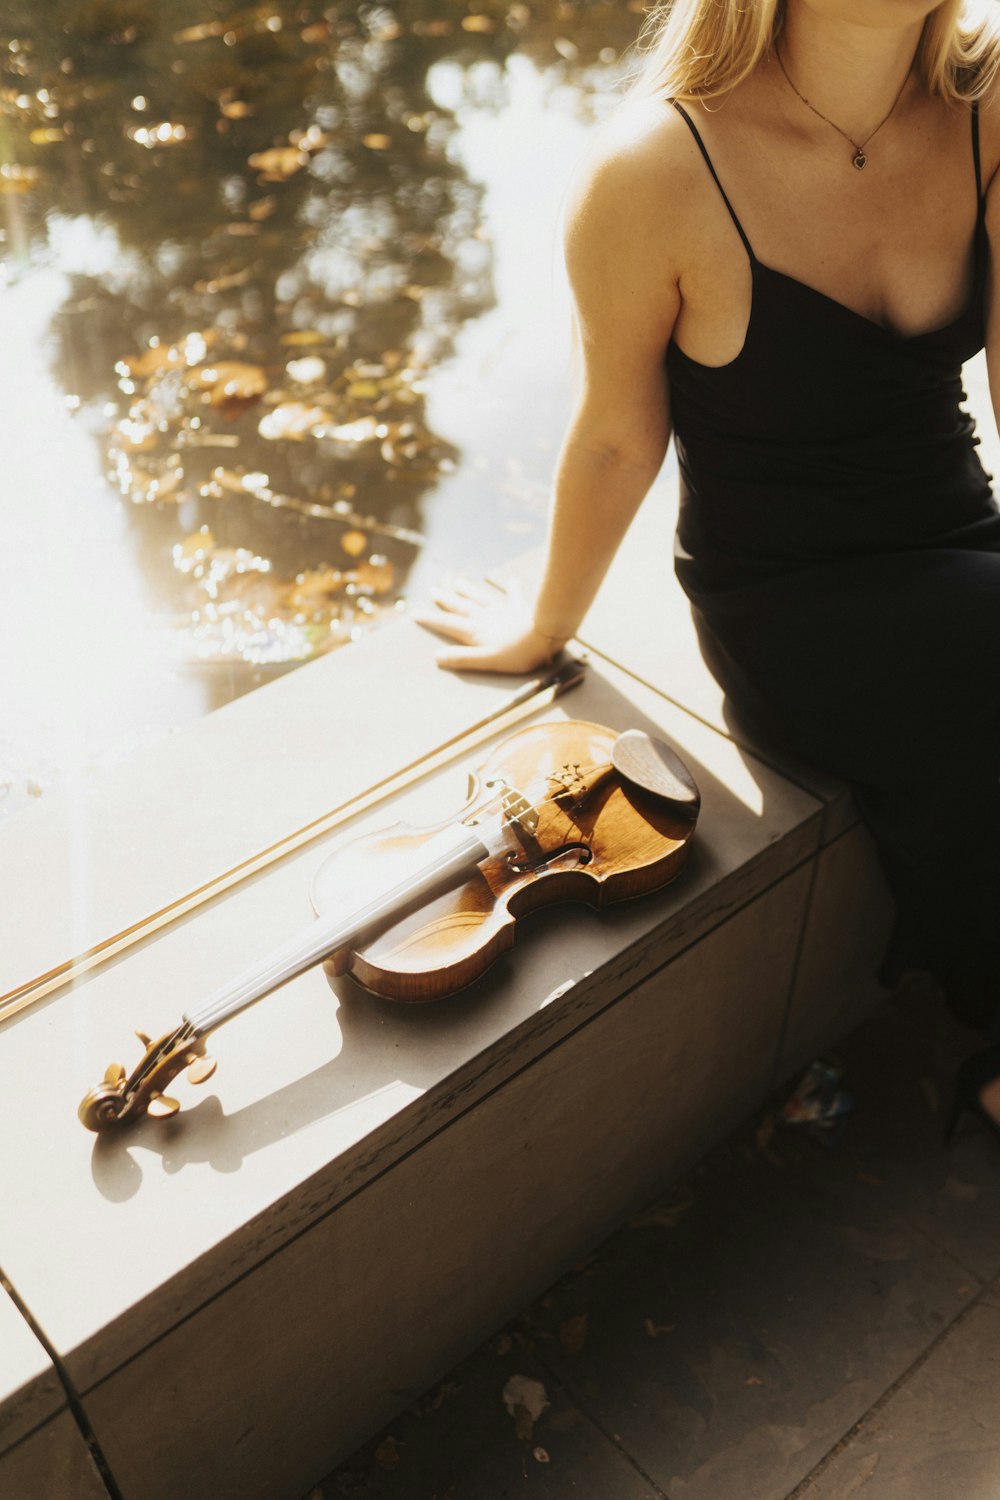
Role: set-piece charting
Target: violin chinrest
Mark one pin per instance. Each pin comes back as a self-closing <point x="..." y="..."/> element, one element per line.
<point x="650" y="764"/>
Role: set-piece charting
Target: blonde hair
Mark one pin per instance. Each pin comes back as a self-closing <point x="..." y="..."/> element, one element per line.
<point x="701" y="49"/>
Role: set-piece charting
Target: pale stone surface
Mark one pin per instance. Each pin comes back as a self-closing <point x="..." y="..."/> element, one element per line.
<point x="166" y="1216"/>
<point x="445" y="1244"/>
<point x="30" y="1392"/>
<point x="42" y="1455"/>
<point x="104" y="854"/>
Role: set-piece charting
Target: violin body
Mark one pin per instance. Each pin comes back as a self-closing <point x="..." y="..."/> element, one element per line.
<point x="591" y="835"/>
<point x="564" y="811"/>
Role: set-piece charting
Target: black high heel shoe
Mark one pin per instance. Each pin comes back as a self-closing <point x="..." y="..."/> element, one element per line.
<point x="977" y="1071"/>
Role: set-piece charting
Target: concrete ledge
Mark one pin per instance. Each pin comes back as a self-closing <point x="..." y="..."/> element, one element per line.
<point x="364" y="1190"/>
<point x="42" y="1454"/>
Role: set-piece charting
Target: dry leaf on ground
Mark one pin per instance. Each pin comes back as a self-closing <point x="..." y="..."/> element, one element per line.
<point x="573" y="1333"/>
<point x="525" y="1400"/>
<point x="387" y="1454"/>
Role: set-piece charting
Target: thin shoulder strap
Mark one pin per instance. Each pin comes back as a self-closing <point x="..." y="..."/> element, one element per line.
<point x="708" y="162"/>
<point x="975" y="152"/>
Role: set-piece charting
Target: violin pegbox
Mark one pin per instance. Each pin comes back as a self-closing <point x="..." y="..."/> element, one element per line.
<point x="121" y="1098"/>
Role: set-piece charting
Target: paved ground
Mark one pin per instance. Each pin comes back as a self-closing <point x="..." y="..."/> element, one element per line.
<point x="791" y="1320"/>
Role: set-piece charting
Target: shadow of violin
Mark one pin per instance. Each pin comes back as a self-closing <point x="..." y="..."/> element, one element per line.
<point x="377" y="1045"/>
<point x="382" y="1044"/>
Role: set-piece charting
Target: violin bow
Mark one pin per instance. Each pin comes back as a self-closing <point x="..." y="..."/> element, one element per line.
<point x="532" y="696"/>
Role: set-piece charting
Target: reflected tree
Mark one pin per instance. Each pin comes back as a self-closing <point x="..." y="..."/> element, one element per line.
<point x="286" y="242"/>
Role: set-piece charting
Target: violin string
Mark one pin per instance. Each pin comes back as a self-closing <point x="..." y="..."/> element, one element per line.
<point x="155" y="1055"/>
<point x="541" y="782"/>
<point x="207" y="1016"/>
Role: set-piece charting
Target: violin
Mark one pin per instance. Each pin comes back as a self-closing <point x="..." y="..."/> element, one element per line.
<point x="560" y="811"/>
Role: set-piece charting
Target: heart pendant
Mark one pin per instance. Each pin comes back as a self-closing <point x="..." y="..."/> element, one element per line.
<point x="860" y="161"/>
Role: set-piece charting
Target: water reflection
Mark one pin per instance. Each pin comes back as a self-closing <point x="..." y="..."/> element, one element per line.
<point x="279" y="261"/>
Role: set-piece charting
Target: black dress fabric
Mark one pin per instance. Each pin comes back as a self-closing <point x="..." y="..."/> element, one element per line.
<point x="840" y="545"/>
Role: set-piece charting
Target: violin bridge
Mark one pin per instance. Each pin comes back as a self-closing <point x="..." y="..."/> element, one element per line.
<point x="516" y="808"/>
<point x="571" y="783"/>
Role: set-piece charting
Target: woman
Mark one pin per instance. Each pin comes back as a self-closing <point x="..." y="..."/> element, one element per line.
<point x="780" y="248"/>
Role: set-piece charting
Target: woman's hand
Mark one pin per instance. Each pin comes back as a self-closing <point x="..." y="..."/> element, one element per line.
<point x="494" y="630"/>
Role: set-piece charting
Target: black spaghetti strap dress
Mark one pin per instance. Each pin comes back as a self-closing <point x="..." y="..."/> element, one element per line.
<point x="840" y="545"/>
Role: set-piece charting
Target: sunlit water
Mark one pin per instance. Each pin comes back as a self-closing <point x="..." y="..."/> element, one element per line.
<point x="286" y="336"/>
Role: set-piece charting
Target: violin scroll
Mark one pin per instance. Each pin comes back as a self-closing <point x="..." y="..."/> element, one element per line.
<point x="121" y="1098"/>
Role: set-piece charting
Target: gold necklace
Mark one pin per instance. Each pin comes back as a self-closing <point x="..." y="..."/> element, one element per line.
<point x="859" y="160"/>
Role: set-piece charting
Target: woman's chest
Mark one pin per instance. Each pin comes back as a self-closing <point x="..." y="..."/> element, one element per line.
<point x="896" y="249"/>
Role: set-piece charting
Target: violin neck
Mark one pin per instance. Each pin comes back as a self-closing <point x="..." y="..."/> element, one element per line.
<point x="443" y="859"/>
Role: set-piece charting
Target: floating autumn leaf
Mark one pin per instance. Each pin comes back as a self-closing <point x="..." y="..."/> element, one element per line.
<point x="229" y="481"/>
<point x="262" y="208"/>
<point x="47" y="135"/>
<point x="230" y="382"/>
<point x="361" y="431"/>
<point x="376" y="575"/>
<point x="227" y="280"/>
<point x="354" y="543"/>
<point x="278" y="162"/>
<point x="478" y="23"/>
<point x="164" y="133"/>
<point x="301" y="338"/>
<point x="313" y="590"/>
<point x="292" y="419"/>
<point x="404" y="444"/>
<point x="196" y="545"/>
<point x="232" y="108"/>
<point x="145" y="487"/>
<point x="363" y="390"/>
<point x="136" y="433"/>
<point x="202" y="32"/>
<point x="17" y="179"/>
<point x="306" y="371"/>
<point x="377" y="142"/>
<point x="151" y="361"/>
<point x="313" y="139"/>
<point x="364" y="370"/>
<point x="386" y="30"/>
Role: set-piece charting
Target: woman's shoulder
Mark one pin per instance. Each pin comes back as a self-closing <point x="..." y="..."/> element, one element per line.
<point x="636" y="176"/>
<point x="641" y="141"/>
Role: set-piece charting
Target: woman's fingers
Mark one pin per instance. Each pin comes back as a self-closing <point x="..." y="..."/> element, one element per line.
<point x="455" y="627"/>
<point x="480" y="593"/>
<point x="491" y="629"/>
<point x="451" y="599"/>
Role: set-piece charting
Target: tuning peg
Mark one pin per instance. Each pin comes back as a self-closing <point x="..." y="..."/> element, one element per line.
<point x="113" y="1074"/>
<point x="144" y="1039"/>
<point x="161" y="1107"/>
<point x="201" y="1069"/>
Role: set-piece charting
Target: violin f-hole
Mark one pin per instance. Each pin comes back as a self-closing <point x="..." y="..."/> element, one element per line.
<point x="522" y="864"/>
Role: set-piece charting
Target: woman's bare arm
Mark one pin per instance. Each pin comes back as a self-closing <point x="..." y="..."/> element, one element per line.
<point x="626" y="299"/>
